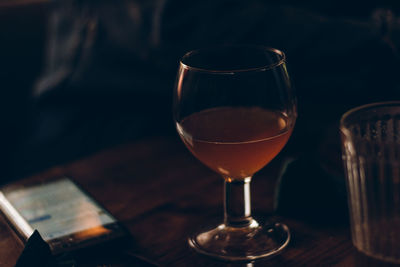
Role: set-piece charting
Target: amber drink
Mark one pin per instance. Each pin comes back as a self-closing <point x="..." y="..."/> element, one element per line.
<point x="235" y="141"/>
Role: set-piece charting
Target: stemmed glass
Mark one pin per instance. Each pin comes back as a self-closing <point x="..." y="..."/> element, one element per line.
<point x="235" y="109"/>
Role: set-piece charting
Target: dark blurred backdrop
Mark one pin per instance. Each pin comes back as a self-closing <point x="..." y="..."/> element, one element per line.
<point x="78" y="76"/>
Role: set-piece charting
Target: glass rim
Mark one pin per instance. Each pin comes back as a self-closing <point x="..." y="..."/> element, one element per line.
<point x="354" y="110"/>
<point x="281" y="61"/>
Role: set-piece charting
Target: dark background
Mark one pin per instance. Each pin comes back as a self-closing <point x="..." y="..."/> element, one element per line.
<point x="80" y="76"/>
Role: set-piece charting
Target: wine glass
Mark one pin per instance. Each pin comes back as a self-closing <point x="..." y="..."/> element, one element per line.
<point x="235" y="109"/>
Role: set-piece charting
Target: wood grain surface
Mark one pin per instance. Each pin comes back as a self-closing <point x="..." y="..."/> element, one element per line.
<point x="161" y="193"/>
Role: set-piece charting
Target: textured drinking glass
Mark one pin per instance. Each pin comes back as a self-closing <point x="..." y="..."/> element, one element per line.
<point x="371" y="155"/>
<point x="235" y="109"/>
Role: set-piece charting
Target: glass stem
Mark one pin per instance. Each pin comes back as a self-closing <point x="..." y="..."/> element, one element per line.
<point x="237" y="203"/>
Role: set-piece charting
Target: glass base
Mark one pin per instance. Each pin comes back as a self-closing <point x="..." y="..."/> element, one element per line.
<point x="242" y="243"/>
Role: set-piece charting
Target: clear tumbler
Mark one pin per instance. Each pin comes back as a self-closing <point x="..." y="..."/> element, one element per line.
<point x="371" y="155"/>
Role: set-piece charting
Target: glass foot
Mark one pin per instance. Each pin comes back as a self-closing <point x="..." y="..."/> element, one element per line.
<point x="242" y="243"/>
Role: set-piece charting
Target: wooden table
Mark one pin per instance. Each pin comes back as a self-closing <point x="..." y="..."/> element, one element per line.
<point x="161" y="193"/>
